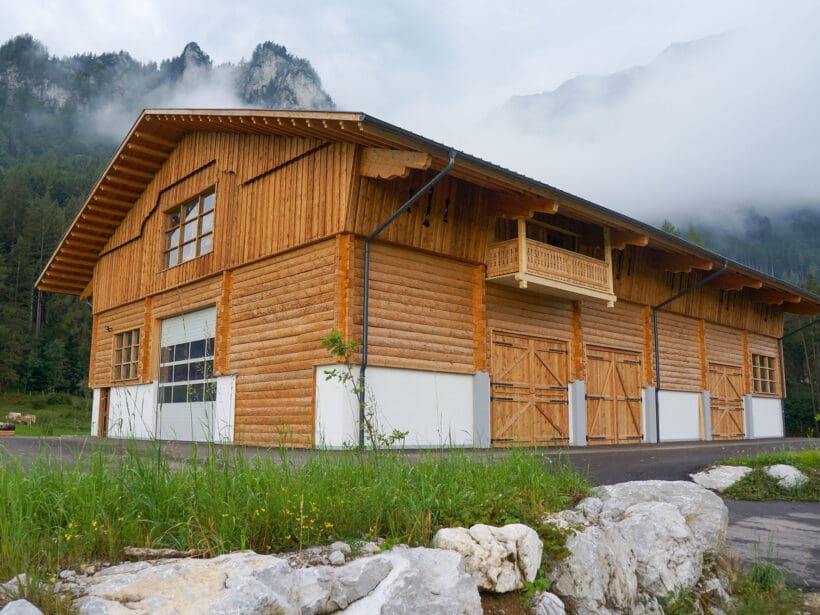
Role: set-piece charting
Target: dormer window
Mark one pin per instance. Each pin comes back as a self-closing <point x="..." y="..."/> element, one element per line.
<point x="190" y="229"/>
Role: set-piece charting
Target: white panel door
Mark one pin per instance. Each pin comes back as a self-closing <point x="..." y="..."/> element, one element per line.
<point x="187" y="386"/>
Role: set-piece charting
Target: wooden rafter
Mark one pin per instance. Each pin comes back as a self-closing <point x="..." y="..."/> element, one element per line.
<point x="736" y="281"/>
<point x="149" y="151"/>
<point x="621" y="239"/>
<point x="680" y="263"/>
<point x="772" y="296"/>
<point x="132" y="171"/>
<point x="502" y="205"/>
<point x="390" y="163"/>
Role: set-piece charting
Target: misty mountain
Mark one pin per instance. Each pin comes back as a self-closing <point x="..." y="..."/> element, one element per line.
<point x="94" y="98"/>
<point x="586" y="94"/>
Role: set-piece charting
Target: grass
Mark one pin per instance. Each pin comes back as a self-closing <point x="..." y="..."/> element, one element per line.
<point x="54" y="517"/>
<point x="758" y="486"/>
<point x="763" y="591"/>
<point x="58" y="414"/>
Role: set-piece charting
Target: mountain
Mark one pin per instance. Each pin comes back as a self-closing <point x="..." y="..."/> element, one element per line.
<point x="586" y="94"/>
<point x="93" y="99"/>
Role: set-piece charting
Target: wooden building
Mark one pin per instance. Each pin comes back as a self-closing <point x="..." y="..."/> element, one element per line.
<point x="219" y="247"/>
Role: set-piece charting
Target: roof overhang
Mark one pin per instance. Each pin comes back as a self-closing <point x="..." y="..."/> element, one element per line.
<point x="157" y="132"/>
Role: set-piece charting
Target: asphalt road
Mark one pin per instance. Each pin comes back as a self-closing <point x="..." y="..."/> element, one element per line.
<point x="786" y="533"/>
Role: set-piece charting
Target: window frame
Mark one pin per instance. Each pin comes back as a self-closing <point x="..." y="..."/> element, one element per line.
<point x="765" y="380"/>
<point x="175" y="232"/>
<point x="122" y="369"/>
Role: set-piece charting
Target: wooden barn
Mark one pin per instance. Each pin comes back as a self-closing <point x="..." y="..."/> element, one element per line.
<point x="219" y="247"/>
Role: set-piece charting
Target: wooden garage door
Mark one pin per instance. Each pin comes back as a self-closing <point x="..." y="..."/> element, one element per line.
<point x="529" y="390"/>
<point x="726" y="401"/>
<point x="613" y="396"/>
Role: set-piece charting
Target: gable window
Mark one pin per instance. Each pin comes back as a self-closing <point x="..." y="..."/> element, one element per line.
<point x="764" y="374"/>
<point x="126" y="354"/>
<point x="190" y="229"/>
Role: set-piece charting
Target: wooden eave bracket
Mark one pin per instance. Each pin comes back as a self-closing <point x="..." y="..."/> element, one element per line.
<point x="88" y="290"/>
<point x="680" y="263"/>
<point x="391" y="163"/>
<point x="621" y="239"/>
<point x="512" y="206"/>
<point x="772" y="296"/>
<point x="736" y="282"/>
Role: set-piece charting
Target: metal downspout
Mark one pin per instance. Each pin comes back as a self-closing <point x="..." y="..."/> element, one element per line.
<point x="655" y="309"/>
<point x="366" y="296"/>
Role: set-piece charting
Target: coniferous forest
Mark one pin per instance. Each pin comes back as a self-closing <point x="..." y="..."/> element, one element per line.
<point x="53" y="147"/>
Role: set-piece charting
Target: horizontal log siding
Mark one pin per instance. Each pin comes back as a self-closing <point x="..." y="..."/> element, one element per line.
<point x="286" y="206"/>
<point x="123" y="318"/>
<point x="724" y="345"/>
<point x="618" y="327"/>
<point x="280" y="309"/>
<point x="463" y="236"/>
<point x="639" y="280"/>
<point x="421" y="309"/>
<point x="679" y="352"/>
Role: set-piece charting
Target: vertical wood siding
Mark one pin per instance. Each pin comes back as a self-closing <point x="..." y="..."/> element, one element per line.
<point x="280" y="309"/>
<point x="272" y="194"/>
<point x="464" y="235"/>
<point x="638" y="280"/>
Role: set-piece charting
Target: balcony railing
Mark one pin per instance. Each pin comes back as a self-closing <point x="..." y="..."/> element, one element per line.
<point x="549" y="266"/>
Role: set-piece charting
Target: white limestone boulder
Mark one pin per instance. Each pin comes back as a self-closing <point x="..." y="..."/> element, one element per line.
<point x="704" y="512"/>
<point x="20" y="607"/>
<point x="397" y="581"/>
<point x="545" y="603"/>
<point x="667" y="554"/>
<point x="720" y="478"/>
<point x="599" y="575"/>
<point x="786" y="476"/>
<point x="500" y="559"/>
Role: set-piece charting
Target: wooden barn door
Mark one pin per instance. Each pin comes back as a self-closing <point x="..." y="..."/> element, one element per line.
<point x="529" y="390"/>
<point x="614" y="410"/>
<point x="726" y="401"/>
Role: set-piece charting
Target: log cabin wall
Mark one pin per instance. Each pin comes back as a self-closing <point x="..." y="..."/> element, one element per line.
<point x="272" y="194"/>
<point x="422" y="309"/>
<point x="680" y="348"/>
<point x="280" y="309"/>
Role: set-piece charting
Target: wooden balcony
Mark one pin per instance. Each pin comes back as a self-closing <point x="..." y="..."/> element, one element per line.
<point x="526" y="263"/>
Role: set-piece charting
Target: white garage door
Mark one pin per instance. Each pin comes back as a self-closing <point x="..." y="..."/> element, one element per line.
<point x="187" y="387"/>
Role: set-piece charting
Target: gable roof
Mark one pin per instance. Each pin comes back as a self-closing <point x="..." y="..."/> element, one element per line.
<point x="157" y="132"/>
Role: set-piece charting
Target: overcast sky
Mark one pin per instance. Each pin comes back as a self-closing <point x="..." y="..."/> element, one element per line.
<point x="750" y="126"/>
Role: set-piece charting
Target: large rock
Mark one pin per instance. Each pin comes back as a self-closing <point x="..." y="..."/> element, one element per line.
<point x="720" y="478"/>
<point x="704" y="512"/>
<point x="398" y="581"/>
<point x="500" y="559"/>
<point x="545" y="603"/>
<point x="20" y="607"/>
<point x="786" y="476"/>
<point x="667" y="554"/>
<point x="599" y="575"/>
<point x="635" y="542"/>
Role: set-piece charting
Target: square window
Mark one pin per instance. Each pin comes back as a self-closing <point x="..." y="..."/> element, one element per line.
<point x="181" y="352"/>
<point x="166" y="354"/>
<point x="180" y="372"/>
<point x="190" y="229"/>
<point x="180" y="394"/>
<point x="197" y="349"/>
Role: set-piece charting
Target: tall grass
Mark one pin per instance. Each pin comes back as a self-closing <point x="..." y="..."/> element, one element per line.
<point x="55" y="516"/>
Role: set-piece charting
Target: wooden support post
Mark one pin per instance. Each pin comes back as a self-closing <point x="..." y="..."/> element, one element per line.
<point x="344" y="270"/>
<point x="747" y="362"/>
<point x="577" y="343"/>
<point x="704" y="364"/>
<point x="479" y="320"/>
<point x="608" y="261"/>
<point x="146" y="346"/>
<point x="649" y="374"/>
<point x="224" y="324"/>
<point x="522" y="249"/>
